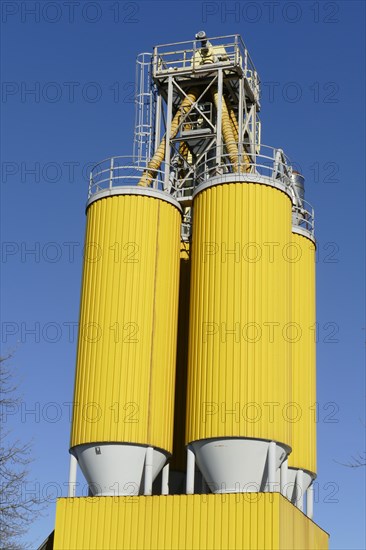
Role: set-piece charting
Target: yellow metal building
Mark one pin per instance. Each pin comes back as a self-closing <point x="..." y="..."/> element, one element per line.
<point x="264" y="521"/>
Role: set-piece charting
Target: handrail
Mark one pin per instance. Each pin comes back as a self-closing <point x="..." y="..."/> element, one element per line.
<point x="196" y="40"/>
<point x="232" y="43"/>
<point x="123" y="171"/>
<point x="303" y="217"/>
<point x="270" y="163"/>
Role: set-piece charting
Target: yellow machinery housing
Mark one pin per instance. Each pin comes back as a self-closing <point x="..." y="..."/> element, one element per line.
<point x="265" y="521"/>
<point x="125" y="375"/>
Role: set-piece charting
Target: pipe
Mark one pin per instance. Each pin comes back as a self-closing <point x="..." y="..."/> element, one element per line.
<point x="159" y="154"/>
<point x="227" y="131"/>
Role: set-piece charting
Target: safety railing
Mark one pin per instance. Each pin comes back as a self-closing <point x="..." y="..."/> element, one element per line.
<point x="269" y="162"/>
<point x="180" y="181"/>
<point x="191" y="56"/>
<point x="124" y="171"/>
<point x="303" y="217"/>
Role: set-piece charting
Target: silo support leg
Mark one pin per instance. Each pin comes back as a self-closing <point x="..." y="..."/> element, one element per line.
<point x="165" y="480"/>
<point x="283" y="477"/>
<point x="310" y="502"/>
<point x="72" y="476"/>
<point x="191" y="461"/>
<point x="299" y="490"/>
<point x="271" y="466"/>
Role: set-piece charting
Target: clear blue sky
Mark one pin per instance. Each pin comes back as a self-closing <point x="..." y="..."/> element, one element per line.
<point x="80" y="62"/>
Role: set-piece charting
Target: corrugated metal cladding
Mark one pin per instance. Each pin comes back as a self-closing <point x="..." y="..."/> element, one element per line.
<point x="125" y="374"/>
<point x="303" y="355"/>
<point x="297" y="532"/>
<point x="239" y="356"/>
<point x="179" y="458"/>
<point x="259" y="521"/>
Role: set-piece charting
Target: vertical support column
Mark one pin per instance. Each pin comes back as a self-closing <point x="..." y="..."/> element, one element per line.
<point x="219" y="118"/>
<point x="299" y="490"/>
<point x="253" y="141"/>
<point x="72" y="476"/>
<point x="148" y="471"/>
<point x="90" y="184"/>
<point x="111" y="173"/>
<point x="236" y="49"/>
<point x="191" y="462"/>
<point x="169" y="115"/>
<point x="165" y="480"/>
<point x="240" y="119"/>
<point x="283" y="477"/>
<point x="157" y="122"/>
<point x="271" y="466"/>
<point x="310" y="502"/>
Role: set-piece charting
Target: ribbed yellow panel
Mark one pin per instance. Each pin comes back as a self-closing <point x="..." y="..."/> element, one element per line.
<point x="303" y="355"/>
<point x="239" y="357"/>
<point x="124" y="387"/>
<point x="250" y="521"/>
<point x="178" y="460"/>
<point x="298" y="532"/>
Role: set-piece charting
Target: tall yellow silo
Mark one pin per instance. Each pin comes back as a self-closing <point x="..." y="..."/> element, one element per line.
<point x="239" y="360"/>
<point x="125" y="372"/>
<point x="302" y="461"/>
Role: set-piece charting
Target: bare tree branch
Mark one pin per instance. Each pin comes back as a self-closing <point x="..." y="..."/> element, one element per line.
<point x="355" y="462"/>
<point x="18" y="508"/>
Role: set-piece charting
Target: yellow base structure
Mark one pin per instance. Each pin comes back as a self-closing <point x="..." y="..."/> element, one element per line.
<point x="259" y="521"/>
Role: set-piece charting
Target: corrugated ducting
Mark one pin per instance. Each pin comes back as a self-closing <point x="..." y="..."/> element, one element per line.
<point x="124" y="389"/>
<point x="303" y="455"/>
<point x="239" y="359"/>
<point x="262" y="521"/>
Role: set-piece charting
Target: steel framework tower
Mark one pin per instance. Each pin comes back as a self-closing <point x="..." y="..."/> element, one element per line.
<point x="183" y="422"/>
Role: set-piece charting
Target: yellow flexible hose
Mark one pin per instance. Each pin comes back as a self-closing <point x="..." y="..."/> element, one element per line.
<point x="228" y="131"/>
<point x="159" y="154"/>
<point x="235" y="124"/>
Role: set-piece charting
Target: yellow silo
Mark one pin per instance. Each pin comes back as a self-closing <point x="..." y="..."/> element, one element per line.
<point x="125" y="371"/>
<point x="239" y="359"/>
<point x="302" y="461"/>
